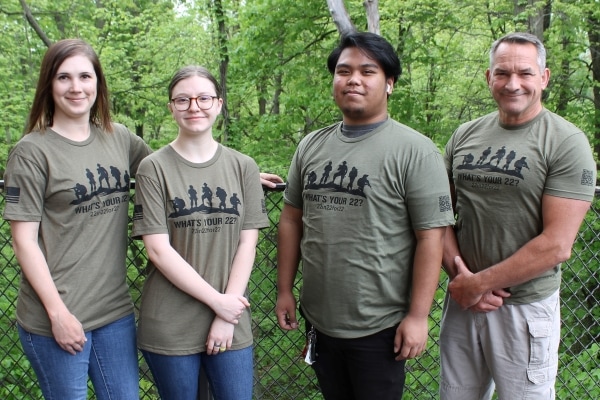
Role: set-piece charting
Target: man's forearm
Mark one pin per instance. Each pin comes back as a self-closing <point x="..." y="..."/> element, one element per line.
<point x="450" y="252"/>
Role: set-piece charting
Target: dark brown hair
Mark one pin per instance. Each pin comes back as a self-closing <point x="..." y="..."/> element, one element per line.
<point x="42" y="110"/>
<point x="194" y="70"/>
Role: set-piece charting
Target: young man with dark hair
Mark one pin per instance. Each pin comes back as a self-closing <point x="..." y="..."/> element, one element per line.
<point x="371" y="253"/>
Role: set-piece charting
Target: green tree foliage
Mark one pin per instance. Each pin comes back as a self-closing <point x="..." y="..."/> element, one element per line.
<point x="271" y="55"/>
<point x="279" y="84"/>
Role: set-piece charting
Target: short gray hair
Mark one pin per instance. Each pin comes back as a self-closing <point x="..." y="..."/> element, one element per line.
<point x="521" y="38"/>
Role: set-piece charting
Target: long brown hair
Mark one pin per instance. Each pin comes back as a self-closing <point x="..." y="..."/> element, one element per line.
<point x="42" y="110"/>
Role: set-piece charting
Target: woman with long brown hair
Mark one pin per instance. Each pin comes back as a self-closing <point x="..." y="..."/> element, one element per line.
<point x="67" y="183"/>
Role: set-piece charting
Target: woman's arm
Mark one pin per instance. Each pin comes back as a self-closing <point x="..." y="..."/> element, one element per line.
<point x="229" y="306"/>
<point x="66" y="328"/>
<point x="243" y="261"/>
<point x="220" y="335"/>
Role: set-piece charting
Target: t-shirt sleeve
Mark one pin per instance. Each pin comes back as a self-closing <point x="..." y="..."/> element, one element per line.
<point x="25" y="182"/>
<point x="137" y="147"/>
<point x="149" y="210"/>
<point x="293" y="191"/>
<point x="448" y="156"/>
<point x="572" y="170"/>
<point x="255" y="213"/>
<point x="428" y="193"/>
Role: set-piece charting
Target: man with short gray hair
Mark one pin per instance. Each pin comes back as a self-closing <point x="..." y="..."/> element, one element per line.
<point x="518" y="213"/>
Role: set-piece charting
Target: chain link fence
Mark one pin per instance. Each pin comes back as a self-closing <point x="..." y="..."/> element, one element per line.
<point x="280" y="372"/>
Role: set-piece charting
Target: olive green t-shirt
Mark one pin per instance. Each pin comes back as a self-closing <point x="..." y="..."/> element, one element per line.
<point x="500" y="174"/>
<point x="362" y="199"/>
<point x="79" y="192"/>
<point x="203" y="207"/>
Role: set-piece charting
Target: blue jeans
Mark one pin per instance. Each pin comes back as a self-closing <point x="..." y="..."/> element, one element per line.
<point x="109" y="357"/>
<point x="229" y="374"/>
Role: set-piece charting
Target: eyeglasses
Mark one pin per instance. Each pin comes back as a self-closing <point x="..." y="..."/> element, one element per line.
<point x="204" y="102"/>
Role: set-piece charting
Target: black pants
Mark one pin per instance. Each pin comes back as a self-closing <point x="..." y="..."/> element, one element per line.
<point x="359" y="369"/>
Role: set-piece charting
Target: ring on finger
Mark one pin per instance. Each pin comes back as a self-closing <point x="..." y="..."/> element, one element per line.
<point x="222" y="349"/>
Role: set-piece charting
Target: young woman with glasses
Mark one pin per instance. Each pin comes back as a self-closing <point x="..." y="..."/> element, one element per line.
<point x="199" y="206"/>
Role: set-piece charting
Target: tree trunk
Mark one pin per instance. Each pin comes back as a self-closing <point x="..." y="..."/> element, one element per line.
<point x="563" y="87"/>
<point x="340" y="17"/>
<point x="223" y="64"/>
<point x="372" y="9"/>
<point x="36" y="27"/>
<point x="535" y="21"/>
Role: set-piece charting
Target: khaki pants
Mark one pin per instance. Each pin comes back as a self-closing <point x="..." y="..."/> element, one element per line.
<point x="514" y="348"/>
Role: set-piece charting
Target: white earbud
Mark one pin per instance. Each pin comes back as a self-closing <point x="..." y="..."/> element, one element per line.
<point x="389" y="88"/>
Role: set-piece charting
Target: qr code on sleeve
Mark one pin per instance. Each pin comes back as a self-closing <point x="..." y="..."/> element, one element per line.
<point x="445" y="203"/>
<point x="587" y="177"/>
